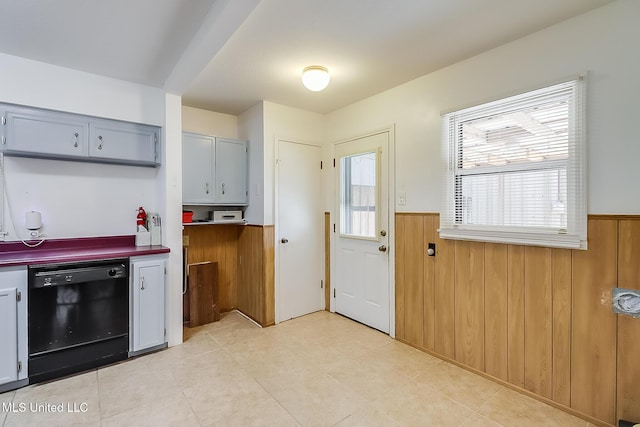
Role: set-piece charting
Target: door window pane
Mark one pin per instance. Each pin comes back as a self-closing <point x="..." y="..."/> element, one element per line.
<point x="359" y="195"/>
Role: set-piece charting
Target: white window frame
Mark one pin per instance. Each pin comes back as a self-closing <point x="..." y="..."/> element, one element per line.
<point x="574" y="236"/>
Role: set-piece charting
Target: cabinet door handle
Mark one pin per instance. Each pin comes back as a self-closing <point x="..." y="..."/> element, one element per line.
<point x="142" y="283"/>
<point x="100" y="143"/>
<point x="75" y="142"/>
<point x="206" y="187"/>
<point x="223" y="188"/>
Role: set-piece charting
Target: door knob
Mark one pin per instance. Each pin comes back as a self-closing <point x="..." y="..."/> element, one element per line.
<point x="382" y="248"/>
<point x="383" y="233"/>
<point x="283" y="240"/>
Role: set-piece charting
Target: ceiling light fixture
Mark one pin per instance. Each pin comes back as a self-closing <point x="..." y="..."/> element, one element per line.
<point x="315" y="77"/>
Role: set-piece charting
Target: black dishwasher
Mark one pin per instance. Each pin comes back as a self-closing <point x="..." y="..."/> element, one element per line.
<point x="78" y="317"/>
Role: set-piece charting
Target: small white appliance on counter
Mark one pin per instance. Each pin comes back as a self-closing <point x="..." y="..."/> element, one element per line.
<point x="227" y="216"/>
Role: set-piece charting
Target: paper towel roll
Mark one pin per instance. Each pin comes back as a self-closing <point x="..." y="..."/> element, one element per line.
<point x="33" y="220"/>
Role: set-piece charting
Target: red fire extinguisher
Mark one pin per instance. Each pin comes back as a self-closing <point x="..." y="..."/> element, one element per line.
<point x="142" y="217"/>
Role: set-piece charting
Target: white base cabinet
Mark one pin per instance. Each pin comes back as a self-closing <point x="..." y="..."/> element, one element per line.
<point x="147" y="325"/>
<point x="13" y="333"/>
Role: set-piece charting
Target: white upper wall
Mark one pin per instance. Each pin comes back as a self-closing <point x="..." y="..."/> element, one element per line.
<point x="290" y="124"/>
<point x="209" y="123"/>
<point x="251" y="128"/>
<point x="602" y="42"/>
<point x="78" y="199"/>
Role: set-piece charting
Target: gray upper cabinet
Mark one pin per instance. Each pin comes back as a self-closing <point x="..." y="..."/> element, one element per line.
<point x="32" y="132"/>
<point x="197" y="169"/>
<point x="123" y="142"/>
<point x="231" y="171"/>
<point x="214" y="170"/>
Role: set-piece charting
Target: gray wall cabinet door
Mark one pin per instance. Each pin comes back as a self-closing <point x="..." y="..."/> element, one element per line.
<point x="231" y="172"/>
<point x="32" y="132"/>
<point x="198" y="184"/>
<point x="123" y="142"/>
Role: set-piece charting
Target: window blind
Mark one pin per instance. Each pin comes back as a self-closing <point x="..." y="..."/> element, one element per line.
<point x="516" y="169"/>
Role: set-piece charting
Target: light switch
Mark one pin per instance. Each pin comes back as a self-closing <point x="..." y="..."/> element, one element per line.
<point x="402" y="198"/>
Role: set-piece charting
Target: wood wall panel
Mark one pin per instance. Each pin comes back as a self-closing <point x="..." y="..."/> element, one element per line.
<point x="217" y="243"/>
<point x="515" y="315"/>
<point x="444" y="295"/>
<point x="251" y="293"/>
<point x="549" y="310"/>
<point x="628" y="387"/>
<point x="400" y="283"/>
<point x="538" y="333"/>
<point x="429" y="327"/>
<point x="593" y="338"/>
<point x="268" y="262"/>
<point x="561" y="276"/>
<point x="469" y="303"/>
<point x="495" y="315"/>
<point x="414" y="281"/>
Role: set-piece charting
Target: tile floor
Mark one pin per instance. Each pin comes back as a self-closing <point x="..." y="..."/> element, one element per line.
<point x="320" y="369"/>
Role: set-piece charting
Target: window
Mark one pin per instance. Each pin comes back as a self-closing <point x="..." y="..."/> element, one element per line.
<point x="516" y="169"/>
<point x="359" y="195"/>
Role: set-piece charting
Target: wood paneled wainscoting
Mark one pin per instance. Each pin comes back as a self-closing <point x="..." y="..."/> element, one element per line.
<point x="245" y="257"/>
<point x="536" y="319"/>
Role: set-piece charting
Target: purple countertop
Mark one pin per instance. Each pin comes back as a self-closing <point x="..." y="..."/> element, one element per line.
<point x="71" y="250"/>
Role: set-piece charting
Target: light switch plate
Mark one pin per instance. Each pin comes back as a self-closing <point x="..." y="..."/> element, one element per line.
<point x="402" y="198"/>
<point x="185" y="240"/>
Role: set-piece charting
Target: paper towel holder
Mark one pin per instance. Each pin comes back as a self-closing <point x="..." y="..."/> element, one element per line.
<point x="33" y="222"/>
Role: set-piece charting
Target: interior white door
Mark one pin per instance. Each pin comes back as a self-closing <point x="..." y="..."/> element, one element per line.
<point x="361" y="279"/>
<point x="299" y="227"/>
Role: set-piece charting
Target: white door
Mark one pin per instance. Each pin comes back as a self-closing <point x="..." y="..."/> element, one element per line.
<point x="299" y="226"/>
<point x="361" y="279"/>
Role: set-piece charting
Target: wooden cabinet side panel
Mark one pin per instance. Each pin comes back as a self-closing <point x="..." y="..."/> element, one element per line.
<point x="593" y="336"/>
<point x="628" y="375"/>
<point x="495" y="282"/>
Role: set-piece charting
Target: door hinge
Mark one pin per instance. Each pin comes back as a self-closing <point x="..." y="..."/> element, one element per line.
<point x="334" y="227"/>
<point x="165" y="332"/>
<point x="321" y="284"/>
<point x="334" y="292"/>
<point x="334" y="163"/>
<point x="19" y="365"/>
<point x="320" y="164"/>
<point x="18" y="296"/>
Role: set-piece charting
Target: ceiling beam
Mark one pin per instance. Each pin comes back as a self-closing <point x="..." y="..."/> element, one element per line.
<point x="223" y="19"/>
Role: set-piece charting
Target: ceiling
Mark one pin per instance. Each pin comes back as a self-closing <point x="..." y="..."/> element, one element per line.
<point x="226" y="55"/>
